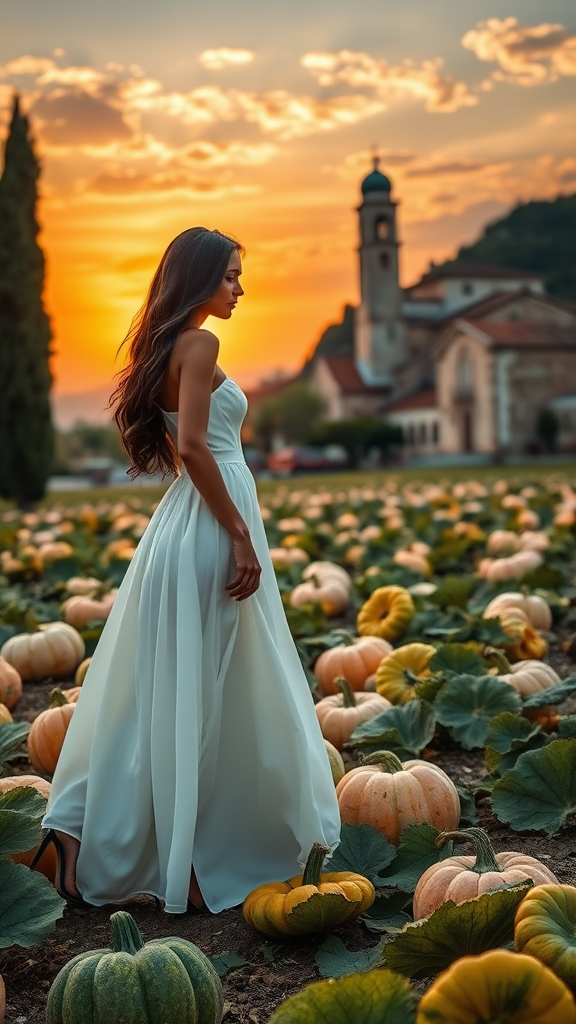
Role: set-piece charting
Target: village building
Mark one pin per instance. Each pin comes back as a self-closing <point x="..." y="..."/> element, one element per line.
<point x="464" y="361"/>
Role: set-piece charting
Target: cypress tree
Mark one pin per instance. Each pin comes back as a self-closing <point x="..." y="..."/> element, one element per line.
<point x="26" y="431"/>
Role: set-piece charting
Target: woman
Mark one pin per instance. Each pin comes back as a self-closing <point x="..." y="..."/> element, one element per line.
<point x="194" y="768"/>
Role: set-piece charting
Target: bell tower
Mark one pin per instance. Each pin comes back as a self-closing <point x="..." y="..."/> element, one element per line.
<point x="379" y="344"/>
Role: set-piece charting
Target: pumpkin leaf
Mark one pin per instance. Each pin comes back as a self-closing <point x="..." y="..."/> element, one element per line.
<point x="545" y="576"/>
<point x="508" y="736"/>
<point x="417" y="850"/>
<point x="228" y="961"/>
<point x="62" y="569"/>
<point x="12" y="736"/>
<point x="467" y="703"/>
<point x="29" y="906"/>
<point x="567" y="727"/>
<point x="388" y="912"/>
<point x="379" y="997"/>
<point x="553" y="695"/>
<point x="468" y="813"/>
<point x="334" y="960"/>
<point x="362" y="849"/>
<point x="456" y="660"/>
<point x="454" y="591"/>
<point x="539" y="792"/>
<point x="21" y="811"/>
<point x="405" y="730"/>
<point x="456" y="930"/>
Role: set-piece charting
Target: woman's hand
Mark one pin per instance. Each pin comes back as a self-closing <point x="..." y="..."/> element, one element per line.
<point x="248" y="569"/>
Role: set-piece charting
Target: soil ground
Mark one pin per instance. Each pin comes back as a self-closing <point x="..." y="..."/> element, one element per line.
<point x="273" y="971"/>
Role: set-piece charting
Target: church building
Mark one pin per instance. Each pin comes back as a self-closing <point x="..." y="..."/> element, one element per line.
<point x="464" y="361"/>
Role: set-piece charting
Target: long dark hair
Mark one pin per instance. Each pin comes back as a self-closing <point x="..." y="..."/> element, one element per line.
<point x="190" y="272"/>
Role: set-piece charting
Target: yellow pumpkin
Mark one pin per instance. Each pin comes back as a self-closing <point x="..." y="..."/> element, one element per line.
<point x="54" y="651"/>
<point x="387" y="613"/>
<point x="525" y="642"/>
<point x="545" y="925"/>
<point x="341" y="713"/>
<point x="315" y="901"/>
<point x="389" y="795"/>
<point x="398" y="675"/>
<point x="10" y="684"/>
<point x="462" y="878"/>
<point x="80" y="674"/>
<point x="337" y="766"/>
<point x="500" y="987"/>
<point x="5" y="716"/>
<point x="355" y="661"/>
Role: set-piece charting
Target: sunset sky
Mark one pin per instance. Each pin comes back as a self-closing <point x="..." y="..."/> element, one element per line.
<point x="260" y="119"/>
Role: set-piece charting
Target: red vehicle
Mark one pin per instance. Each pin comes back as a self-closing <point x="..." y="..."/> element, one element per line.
<point x="306" y="460"/>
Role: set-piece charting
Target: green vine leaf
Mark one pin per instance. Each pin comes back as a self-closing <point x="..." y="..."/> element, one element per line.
<point x="539" y="792"/>
<point x="456" y="930"/>
<point x="362" y="849"/>
<point x="405" y="730"/>
<point x="378" y="997"/>
<point x="417" y="850"/>
<point x="467" y="703"/>
<point x="29" y="906"/>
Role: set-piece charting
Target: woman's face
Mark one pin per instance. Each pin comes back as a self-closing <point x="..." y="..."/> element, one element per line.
<point x="224" y="300"/>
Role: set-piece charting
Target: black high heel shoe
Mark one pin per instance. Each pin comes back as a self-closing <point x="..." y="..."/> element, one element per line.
<point x="51" y="837"/>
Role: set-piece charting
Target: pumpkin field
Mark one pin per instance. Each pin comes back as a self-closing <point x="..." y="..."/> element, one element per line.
<point x="436" y="623"/>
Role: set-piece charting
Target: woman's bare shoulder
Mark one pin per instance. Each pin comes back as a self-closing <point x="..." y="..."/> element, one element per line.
<point x="196" y="341"/>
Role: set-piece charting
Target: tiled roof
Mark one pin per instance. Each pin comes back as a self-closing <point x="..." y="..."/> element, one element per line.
<point x="468" y="269"/>
<point x="421" y="400"/>
<point x="526" y="333"/>
<point x="344" y="371"/>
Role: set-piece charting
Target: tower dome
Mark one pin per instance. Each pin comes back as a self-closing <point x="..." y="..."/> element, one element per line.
<point x="376" y="181"/>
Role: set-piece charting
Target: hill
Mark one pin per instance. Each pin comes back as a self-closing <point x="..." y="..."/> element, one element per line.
<point x="539" y="236"/>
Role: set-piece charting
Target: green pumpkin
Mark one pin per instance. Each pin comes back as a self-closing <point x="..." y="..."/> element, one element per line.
<point x="134" y="982"/>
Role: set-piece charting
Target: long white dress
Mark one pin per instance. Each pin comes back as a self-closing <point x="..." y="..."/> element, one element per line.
<point x="195" y="740"/>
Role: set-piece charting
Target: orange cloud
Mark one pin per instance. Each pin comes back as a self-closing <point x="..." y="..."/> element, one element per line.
<point x="440" y="92"/>
<point x="291" y="116"/>
<point x="527" y="56"/>
<point x="223" y="57"/>
<point x="72" y="117"/>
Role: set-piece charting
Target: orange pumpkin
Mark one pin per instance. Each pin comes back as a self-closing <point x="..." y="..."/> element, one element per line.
<point x="10" y="684"/>
<point x="47" y="733"/>
<point x="54" y="650"/>
<point x="341" y="713"/>
<point x="355" y="661"/>
<point x="80" y="609"/>
<point x="47" y="865"/>
<point x="390" y="795"/>
<point x="464" y="878"/>
<point x="81" y="671"/>
<point x="536" y="609"/>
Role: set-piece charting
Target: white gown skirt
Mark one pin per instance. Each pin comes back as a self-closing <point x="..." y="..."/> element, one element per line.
<point x="194" y="741"/>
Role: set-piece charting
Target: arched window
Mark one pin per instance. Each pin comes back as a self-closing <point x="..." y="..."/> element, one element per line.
<point x="384" y="258"/>
<point x="464" y="373"/>
<point x="382" y="228"/>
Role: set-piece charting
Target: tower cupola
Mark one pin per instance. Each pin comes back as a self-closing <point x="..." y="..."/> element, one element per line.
<point x="376" y="181"/>
<point x="379" y="342"/>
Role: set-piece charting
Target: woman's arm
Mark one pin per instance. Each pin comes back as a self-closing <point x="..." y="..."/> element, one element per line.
<point x="199" y="351"/>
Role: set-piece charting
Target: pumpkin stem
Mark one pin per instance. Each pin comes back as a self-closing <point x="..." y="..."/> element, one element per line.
<point x="344" y="637"/>
<point x="348" y="698"/>
<point x="496" y="658"/>
<point x="385" y="759"/>
<point x="485" y="856"/>
<point x="126" y="935"/>
<point x="58" y="698"/>
<point x="313" y="868"/>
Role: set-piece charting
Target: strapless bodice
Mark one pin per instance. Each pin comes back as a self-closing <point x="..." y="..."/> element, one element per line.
<point x="228" y="407"/>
